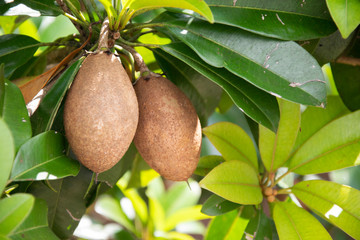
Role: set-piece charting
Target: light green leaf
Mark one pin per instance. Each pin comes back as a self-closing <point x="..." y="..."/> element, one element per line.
<point x="14" y="210"/>
<point x="157" y="214"/>
<point x="345" y="14"/>
<point x="235" y="181"/>
<point x="275" y="148"/>
<point x="295" y="223"/>
<point x="192" y="213"/>
<point x="338" y="204"/>
<point x="335" y="146"/>
<point x="232" y="142"/>
<point x="207" y="163"/>
<point x="7" y="153"/>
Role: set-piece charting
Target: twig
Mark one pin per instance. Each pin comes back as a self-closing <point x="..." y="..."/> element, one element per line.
<point x="349" y="60"/>
<point x="104" y="35"/>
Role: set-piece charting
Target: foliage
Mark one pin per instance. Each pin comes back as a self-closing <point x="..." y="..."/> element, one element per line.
<point x="272" y="171"/>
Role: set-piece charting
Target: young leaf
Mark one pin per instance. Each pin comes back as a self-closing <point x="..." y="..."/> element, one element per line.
<point x="15" y="51"/>
<point x="235" y="181"/>
<point x="282" y="68"/>
<point x="338" y="204"/>
<point x="7" y="153"/>
<point x="293" y="222"/>
<point x="207" y="163"/>
<point x="333" y="147"/>
<point x="35" y="225"/>
<point x="43" y="157"/>
<point x="183" y="215"/>
<point x="345" y="14"/>
<point x="275" y="148"/>
<point x="16" y="115"/>
<point x="232" y="142"/>
<point x="257" y="104"/>
<point x="284" y="20"/>
<point x="43" y="118"/>
<point x="14" y="210"/>
<point x="216" y="205"/>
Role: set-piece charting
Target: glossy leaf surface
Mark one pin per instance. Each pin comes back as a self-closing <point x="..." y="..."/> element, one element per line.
<point x="276" y="147"/>
<point x="257" y="104"/>
<point x="338" y="204"/>
<point x="7" y="153"/>
<point x="333" y="147"/>
<point x="16" y="50"/>
<point x="35" y="225"/>
<point x="43" y="118"/>
<point x="235" y="181"/>
<point x="16" y="115"/>
<point x="345" y="14"/>
<point x="293" y="222"/>
<point x="14" y="210"/>
<point x="284" y="20"/>
<point x="34" y="8"/>
<point x="43" y="157"/>
<point x="216" y="205"/>
<point x="232" y="142"/>
<point x="282" y="68"/>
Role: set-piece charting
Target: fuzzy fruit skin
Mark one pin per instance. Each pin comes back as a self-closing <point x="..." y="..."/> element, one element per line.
<point x="168" y="135"/>
<point x="101" y="112"/>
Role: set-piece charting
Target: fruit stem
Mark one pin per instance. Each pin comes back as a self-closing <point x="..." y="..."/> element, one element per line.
<point x="131" y="60"/>
<point x="104" y="35"/>
<point x="138" y="59"/>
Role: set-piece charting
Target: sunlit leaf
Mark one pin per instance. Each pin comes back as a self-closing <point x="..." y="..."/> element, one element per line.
<point x="192" y="213"/>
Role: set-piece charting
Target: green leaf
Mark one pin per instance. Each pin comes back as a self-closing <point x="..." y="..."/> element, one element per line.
<point x="275" y="148"/>
<point x="195" y="5"/>
<point x="65" y="201"/>
<point x="257" y="104"/>
<point x="230" y="225"/>
<point x="15" y="51"/>
<point x="2" y="88"/>
<point x="33" y="8"/>
<point x="232" y="142"/>
<point x="216" y="205"/>
<point x="204" y="94"/>
<point x="284" y="20"/>
<point x="293" y="223"/>
<point x="43" y="118"/>
<point x="314" y="118"/>
<point x="7" y="153"/>
<point x="260" y="227"/>
<point x="191" y="213"/>
<point x="338" y="204"/>
<point x="333" y="147"/>
<point x="43" y="157"/>
<point x="13" y="211"/>
<point x="282" y="68"/>
<point x="207" y="163"/>
<point x="347" y="80"/>
<point x="141" y="173"/>
<point x="16" y="115"/>
<point x="35" y="225"/>
<point x="345" y="14"/>
<point x="235" y="181"/>
<point x="110" y="207"/>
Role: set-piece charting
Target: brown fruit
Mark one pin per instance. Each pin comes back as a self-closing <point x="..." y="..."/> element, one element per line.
<point x="168" y="136"/>
<point x="101" y="112"/>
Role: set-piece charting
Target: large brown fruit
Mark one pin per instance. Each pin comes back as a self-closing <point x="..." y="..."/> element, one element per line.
<point x="168" y="136"/>
<point x="101" y="112"/>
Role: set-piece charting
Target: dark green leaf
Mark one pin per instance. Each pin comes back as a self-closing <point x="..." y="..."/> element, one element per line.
<point x="338" y="204"/>
<point x="293" y="222"/>
<point x="35" y="225"/>
<point x="16" y="115"/>
<point x="260" y="227"/>
<point x="66" y="204"/>
<point x="235" y="181"/>
<point x="43" y="157"/>
<point x="282" y="68"/>
<point x="2" y="88"/>
<point x="347" y="80"/>
<point x="7" y="153"/>
<point x="16" y="50"/>
<point x="293" y="20"/>
<point x="43" y="119"/>
<point x="33" y="8"/>
<point x="204" y="94"/>
<point x="258" y="105"/>
<point x="207" y="163"/>
<point x="14" y="210"/>
<point x="216" y="205"/>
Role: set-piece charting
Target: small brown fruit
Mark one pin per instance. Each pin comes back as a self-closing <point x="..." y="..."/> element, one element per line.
<point x="101" y="112"/>
<point x="168" y="136"/>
